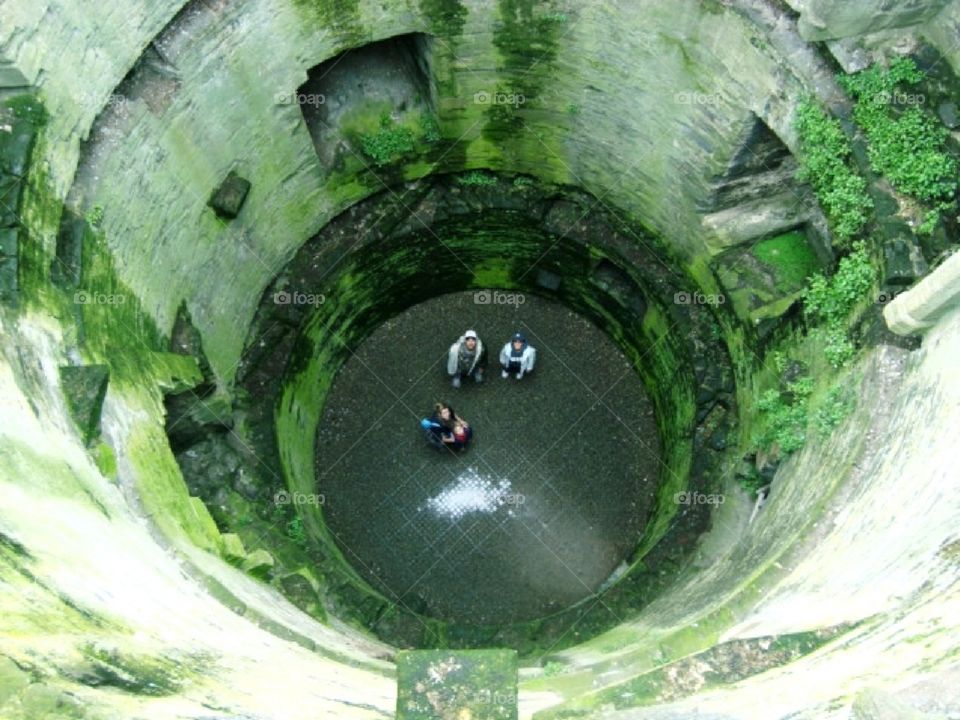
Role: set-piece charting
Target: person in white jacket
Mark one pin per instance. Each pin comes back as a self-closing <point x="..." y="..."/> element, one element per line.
<point x="466" y="357"/>
<point x="517" y="356"/>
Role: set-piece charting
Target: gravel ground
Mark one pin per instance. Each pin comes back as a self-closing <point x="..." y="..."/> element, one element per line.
<point x="547" y="501"/>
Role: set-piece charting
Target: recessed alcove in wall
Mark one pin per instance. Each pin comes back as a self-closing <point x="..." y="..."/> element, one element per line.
<point x="756" y="194"/>
<point x="763" y="278"/>
<point x="383" y="89"/>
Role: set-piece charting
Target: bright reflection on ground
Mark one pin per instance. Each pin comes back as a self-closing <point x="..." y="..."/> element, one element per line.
<point x="472" y="492"/>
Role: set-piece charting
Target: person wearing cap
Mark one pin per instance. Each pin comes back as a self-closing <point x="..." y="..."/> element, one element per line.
<point x="466" y="357"/>
<point x="517" y="356"/>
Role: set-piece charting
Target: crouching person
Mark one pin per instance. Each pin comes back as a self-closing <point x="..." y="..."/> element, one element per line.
<point x="517" y="357"/>
<point x="447" y="429"/>
<point x="466" y="358"/>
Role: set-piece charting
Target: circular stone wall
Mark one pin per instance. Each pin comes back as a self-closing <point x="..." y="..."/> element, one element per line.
<point x="441" y="235"/>
<point x="552" y="494"/>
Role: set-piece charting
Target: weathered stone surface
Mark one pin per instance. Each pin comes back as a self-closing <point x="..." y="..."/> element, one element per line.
<point x="903" y="261"/>
<point x="84" y="388"/>
<point x="301" y="593"/>
<point x="8" y="263"/>
<point x="949" y="115"/>
<point x="68" y="259"/>
<point x="208" y="462"/>
<point x="182" y="372"/>
<point x="209" y="536"/>
<point x="12" y="680"/>
<point x="758" y="218"/>
<point x="826" y="19"/>
<point x="548" y="280"/>
<point x="20" y="117"/>
<point x="41" y="700"/>
<point x="876" y="704"/>
<point x="103" y="575"/>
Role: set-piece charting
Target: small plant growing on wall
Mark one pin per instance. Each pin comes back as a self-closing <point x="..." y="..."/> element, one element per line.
<point x="828" y="302"/>
<point x="906" y="144"/>
<point x="825" y="162"/>
<point x="390" y="142"/>
<point x="477" y="178"/>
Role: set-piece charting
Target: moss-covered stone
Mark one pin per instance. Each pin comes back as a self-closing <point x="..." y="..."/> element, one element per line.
<point x="228" y="197"/>
<point x="465" y="685"/>
<point x="84" y="388"/>
<point x="9" y="250"/>
<point x="233" y="549"/>
<point x="177" y="373"/>
<point x="792" y="257"/>
<point x="21" y="116"/>
<point x="764" y="281"/>
<point x="259" y="563"/>
<point x="139" y="674"/>
<point x="693" y="672"/>
<point x="879" y="704"/>
<point x="106" y="460"/>
<point x="41" y="701"/>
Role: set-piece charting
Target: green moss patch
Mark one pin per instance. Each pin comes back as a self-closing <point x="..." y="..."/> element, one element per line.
<point x="148" y="675"/>
<point x="791" y="257"/>
<point x="106" y="460"/>
<point x="84" y="388"/>
<point x="764" y="281"/>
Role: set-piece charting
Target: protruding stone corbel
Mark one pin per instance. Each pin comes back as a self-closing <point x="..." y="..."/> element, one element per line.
<point x="919" y="309"/>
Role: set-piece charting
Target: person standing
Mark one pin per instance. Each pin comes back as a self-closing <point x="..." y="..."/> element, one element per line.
<point x="466" y="358"/>
<point x="517" y="357"/>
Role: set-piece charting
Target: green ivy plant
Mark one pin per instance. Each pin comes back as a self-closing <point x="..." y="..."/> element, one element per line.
<point x="829" y="302"/>
<point x="296" y="532"/>
<point x="477" y="177"/>
<point x="430" y="128"/>
<point x="825" y="163"/>
<point x="906" y="145"/>
<point x="388" y="143"/>
<point x="784" y="416"/>
<point x="836" y="406"/>
<point x="831" y="299"/>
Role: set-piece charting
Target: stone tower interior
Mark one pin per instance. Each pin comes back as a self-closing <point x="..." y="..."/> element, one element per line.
<point x="237" y="239"/>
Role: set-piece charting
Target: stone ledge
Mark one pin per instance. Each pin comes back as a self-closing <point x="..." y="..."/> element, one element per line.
<point x="919" y="309"/>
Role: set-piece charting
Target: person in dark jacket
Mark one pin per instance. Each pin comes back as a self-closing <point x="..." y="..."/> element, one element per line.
<point x="517" y="357"/>
<point x="447" y="429"/>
